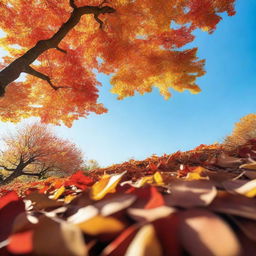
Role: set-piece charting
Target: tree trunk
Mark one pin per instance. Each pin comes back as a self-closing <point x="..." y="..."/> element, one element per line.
<point x="11" y="177"/>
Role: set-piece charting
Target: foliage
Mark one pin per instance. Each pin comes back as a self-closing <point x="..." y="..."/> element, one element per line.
<point x="244" y="131"/>
<point x="146" y="216"/>
<point x="140" y="43"/>
<point x="35" y="151"/>
<point x="91" y="165"/>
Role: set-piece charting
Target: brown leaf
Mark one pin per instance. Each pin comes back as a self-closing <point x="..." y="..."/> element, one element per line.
<point x="204" y="233"/>
<point x="243" y="187"/>
<point x="115" y="204"/>
<point x="58" y="239"/>
<point x="247" y="226"/>
<point x="225" y="161"/>
<point x="139" y="214"/>
<point x="191" y="193"/>
<point x="234" y="204"/>
<point x="41" y="201"/>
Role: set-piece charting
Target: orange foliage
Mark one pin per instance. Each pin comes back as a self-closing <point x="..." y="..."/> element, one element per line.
<point x="35" y="150"/>
<point x="139" y="45"/>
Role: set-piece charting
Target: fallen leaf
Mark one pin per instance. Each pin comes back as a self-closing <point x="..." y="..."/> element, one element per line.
<point x="232" y="204"/>
<point x="247" y="226"/>
<point x="121" y="243"/>
<point x="21" y="243"/>
<point x="145" y="243"/>
<point x="166" y="230"/>
<point x="250" y="166"/>
<point x="142" y="215"/>
<point x="204" y="233"/>
<point x="58" y="239"/>
<point x="41" y="201"/>
<point x="11" y="207"/>
<point x="58" y="193"/>
<point x="194" y="176"/>
<point x="191" y="193"/>
<point x="158" y="179"/>
<point x="115" y="204"/>
<point x="101" y="225"/>
<point x="83" y="214"/>
<point x="105" y="185"/>
<point x="243" y="187"/>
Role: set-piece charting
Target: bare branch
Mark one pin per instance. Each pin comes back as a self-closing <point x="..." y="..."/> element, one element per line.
<point x="72" y="4"/>
<point x="96" y="17"/>
<point x="31" y="174"/>
<point x="103" y="2"/>
<point x="7" y="169"/>
<point x="61" y="50"/>
<point x="29" y="70"/>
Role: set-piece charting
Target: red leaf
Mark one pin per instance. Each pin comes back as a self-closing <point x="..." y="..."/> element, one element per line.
<point x="11" y="206"/>
<point x="21" y="243"/>
<point x="79" y="180"/>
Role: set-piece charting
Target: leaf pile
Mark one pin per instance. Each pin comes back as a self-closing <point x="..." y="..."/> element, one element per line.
<point x="199" y="213"/>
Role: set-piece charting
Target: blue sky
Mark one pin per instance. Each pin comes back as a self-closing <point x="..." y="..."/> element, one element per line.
<point x="140" y="126"/>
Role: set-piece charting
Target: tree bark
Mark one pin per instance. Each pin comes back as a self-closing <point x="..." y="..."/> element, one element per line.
<point x="22" y="64"/>
<point x="11" y="177"/>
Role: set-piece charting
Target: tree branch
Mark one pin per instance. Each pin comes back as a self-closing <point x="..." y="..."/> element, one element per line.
<point x="72" y="4"/>
<point x="61" y="50"/>
<point x="7" y="169"/>
<point x="31" y="174"/>
<point x="29" y="70"/>
<point x="22" y="64"/>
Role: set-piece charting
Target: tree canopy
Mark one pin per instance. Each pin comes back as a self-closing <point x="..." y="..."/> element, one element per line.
<point x="62" y="44"/>
<point x="34" y="150"/>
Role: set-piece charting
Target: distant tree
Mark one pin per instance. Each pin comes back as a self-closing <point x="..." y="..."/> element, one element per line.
<point x="91" y="165"/>
<point x="244" y="131"/>
<point x="140" y="43"/>
<point x="34" y="150"/>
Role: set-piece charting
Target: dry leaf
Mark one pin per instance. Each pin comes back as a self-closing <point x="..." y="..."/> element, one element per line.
<point x="150" y="214"/>
<point x="105" y="185"/>
<point x="101" y="225"/>
<point x="58" y="193"/>
<point x="232" y="204"/>
<point x="58" y="239"/>
<point x="115" y="204"/>
<point x="158" y="179"/>
<point x="191" y="193"/>
<point x="145" y="243"/>
<point x="204" y="233"/>
<point x="243" y="187"/>
<point x="250" y="166"/>
<point x="247" y="226"/>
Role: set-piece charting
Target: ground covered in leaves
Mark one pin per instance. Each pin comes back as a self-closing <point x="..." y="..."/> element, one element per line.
<point x="200" y="202"/>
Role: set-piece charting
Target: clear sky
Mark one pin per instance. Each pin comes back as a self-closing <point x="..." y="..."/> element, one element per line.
<point x="140" y="126"/>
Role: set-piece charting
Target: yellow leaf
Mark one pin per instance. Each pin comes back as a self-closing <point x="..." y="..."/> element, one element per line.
<point x="101" y="225"/>
<point x="145" y="243"/>
<point x="69" y="198"/>
<point x="194" y="176"/>
<point x="250" y="166"/>
<point x="251" y="193"/>
<point x="58" y="193"/>
<point x="142" y="181"/>
<point x="158" y="178"/>
<point x="105" y="185"/>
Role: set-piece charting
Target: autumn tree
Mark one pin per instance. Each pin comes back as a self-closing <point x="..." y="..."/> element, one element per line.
<point x="243" y="131"/>
<point x="61" y="45"/>
<point x="34" y="150"/>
